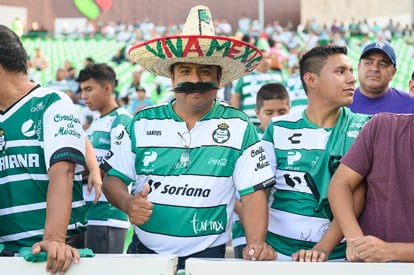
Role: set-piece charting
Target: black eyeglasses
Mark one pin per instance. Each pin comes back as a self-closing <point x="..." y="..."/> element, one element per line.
<point x="186" y="142"/>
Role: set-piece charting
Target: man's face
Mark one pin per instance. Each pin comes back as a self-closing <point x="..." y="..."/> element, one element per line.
<point x="195" y="73"/>
<point x="336" y="83"/>
<point x="94" y="94"/>
<point x="60" y="74"/>
<point x="375" y="72"/>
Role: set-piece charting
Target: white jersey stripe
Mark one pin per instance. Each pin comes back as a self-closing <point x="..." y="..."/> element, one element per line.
<point x="306" y="228"/>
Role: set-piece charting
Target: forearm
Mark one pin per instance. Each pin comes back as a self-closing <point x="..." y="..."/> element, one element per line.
<point x="59" y="200"/>
<point x="238" y="209"/>
<point x="344" y="207"/>
<point x="334" y="234"/>
<point x="255" y="216"/>
<point x="116" y="192"/>
<point x="91" y="162"/>
<point x="358" y="198"/>
<point x="330" y="239"/>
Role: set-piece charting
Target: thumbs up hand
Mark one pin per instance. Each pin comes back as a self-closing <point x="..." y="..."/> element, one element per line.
<point x="140" y="209"/>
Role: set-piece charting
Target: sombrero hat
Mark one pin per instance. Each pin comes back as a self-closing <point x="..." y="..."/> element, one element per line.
<point x="197" y="44"/>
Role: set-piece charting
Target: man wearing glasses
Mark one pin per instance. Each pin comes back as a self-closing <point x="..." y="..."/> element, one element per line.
<point x="190" y="155"/>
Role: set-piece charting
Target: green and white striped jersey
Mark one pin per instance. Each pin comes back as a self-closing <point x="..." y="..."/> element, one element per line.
<point x="297" y="95"/>
<point x="301" y="157"/>
<point x="193" y="174"/>
<point x="249" y="85"/>
<point x="40" y="129"/>
<point x="101" y="133"/>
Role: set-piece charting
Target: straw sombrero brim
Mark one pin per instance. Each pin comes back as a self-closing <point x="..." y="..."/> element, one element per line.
<point x="235" y="57"/>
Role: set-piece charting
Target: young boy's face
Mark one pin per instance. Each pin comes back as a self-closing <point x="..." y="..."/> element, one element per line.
<point x="271" y="108"/>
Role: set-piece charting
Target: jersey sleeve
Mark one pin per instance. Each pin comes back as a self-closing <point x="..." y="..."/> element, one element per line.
<point x="269" y="148"/>
<point x="252" y="171"/>
<point x="120" y="160"/>
<point x="237" y="86"/>
<point x="119" y="125"/>
<point x="64" y="139"/>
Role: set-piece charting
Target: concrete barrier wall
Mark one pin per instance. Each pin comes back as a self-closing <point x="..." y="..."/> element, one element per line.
<point x="101" y="264"/>
<point x="241" y="267"/>
<point x="147" y="264"/>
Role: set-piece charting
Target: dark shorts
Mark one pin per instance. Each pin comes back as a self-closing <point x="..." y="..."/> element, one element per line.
<point x="106" y="239"/>
<point x="238" y="251"/>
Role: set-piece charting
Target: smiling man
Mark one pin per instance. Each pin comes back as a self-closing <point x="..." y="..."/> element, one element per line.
<point x="376" y="69"/>
<point x="190" y="155"/>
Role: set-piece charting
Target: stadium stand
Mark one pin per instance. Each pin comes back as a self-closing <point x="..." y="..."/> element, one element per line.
<point x="102" y="50"/>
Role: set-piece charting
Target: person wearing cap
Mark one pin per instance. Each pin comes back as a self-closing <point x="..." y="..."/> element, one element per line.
<point x="304" y="149"/>
<point x="382" y="158"/>
<point x="190" y="155"/>
<point x="376" y="68"/>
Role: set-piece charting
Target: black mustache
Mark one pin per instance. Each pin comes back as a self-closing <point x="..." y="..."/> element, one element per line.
<point x="190" y="87"/>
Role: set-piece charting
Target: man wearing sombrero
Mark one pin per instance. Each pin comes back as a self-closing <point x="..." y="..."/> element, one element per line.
<point x="189" y="156"/>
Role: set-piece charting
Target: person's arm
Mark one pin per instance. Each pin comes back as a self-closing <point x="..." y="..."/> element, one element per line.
<point x="255" y="221"/>
<point x="95" y="173"/>
<point x="238" y="209"/>
<point x="323" y="248"/>
<point x="137" y="206"/>
<point x="58" y="210"/>
<point x="340" y="195"/>
<point x="321" y="251"/>
<point x="373" y="249"/>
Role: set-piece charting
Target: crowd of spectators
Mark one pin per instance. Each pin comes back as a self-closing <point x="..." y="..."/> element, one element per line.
<point x="283" y="42"/>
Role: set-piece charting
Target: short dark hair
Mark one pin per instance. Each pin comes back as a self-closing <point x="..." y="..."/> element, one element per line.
<point x="412" y="75"/>
<point x="13" y="56"/>
<point x="271" y="91"/>
<point x="313" y="60"/>
<point x="100" y="72"/>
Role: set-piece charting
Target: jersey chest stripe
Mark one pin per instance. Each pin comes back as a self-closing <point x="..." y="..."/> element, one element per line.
<point x="32" y="207"/>
<point x="21" y="177"/>
<point x="24" y="143"/>
<point x="22" y="235"/>
<point x="22" y="208"/>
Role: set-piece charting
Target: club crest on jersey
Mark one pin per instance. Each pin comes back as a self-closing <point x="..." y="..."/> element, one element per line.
<point x="2" y="140"/>
<point x="221" y="134"/>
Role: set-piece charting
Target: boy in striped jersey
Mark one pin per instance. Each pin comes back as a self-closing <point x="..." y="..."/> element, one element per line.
<point x="303" y="150"/>
<point x="107" y="225"/>
<point x="271" y="100"/>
